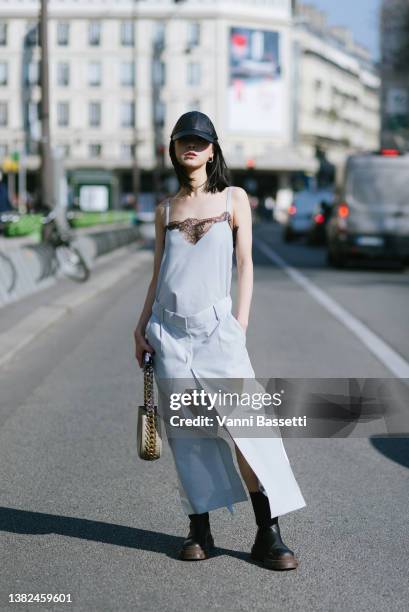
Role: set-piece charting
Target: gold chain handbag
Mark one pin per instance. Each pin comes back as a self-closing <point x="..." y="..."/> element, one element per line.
<point x="149" y="439"/>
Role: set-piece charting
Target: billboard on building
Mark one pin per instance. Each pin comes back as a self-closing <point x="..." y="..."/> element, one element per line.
<point x="256" y="88"/>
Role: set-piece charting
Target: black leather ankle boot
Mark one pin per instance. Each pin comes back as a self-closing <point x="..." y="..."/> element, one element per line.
<point x="268" y="546"/>
<point x="199" y="541"/>
<point x="270" y="549"/>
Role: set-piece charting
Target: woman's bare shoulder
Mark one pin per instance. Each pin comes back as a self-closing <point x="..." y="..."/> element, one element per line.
<point x="163" y="203"/>
<point x="240" y="198"/>
<point x="240" y="206"/>
<point x="238" y="193"/>
<point x="161" y="208"/>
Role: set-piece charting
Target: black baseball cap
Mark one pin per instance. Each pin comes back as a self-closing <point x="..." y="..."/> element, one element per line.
<point x="194" y="122"/>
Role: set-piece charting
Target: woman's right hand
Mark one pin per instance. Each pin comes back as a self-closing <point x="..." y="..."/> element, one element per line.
<point x="141" y="346"/>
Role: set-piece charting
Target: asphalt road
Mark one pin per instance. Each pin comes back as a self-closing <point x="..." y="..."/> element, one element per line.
<point x="81" y="514"/>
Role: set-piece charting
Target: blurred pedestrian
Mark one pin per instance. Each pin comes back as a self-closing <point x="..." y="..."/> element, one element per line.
<point x="5" y="204"/>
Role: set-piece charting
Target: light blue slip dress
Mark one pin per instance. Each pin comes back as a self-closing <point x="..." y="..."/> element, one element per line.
<point x="200" y="344"/>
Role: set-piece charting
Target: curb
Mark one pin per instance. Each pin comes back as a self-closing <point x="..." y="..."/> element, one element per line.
<point x="32" y="267"/>
<point x="12" y="341"/>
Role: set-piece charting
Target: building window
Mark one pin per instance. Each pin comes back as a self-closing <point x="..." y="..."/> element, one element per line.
<point x="159" y="112"/>
<point x="193" y="34"/>
<point x="63" y="33"/>
<point x="4" y="73"/>
<point x="94" y="74"/>
<point x="159" y="73"/>
<point x="128" y="73"/>
<point x="32" y="34"/>
<point x="127" y="33"/>
<point x="94" y="33"/>
<point x="32" y="73"/>
<point x="33" y="113"/>
<point x="194" y="105"/>
<point x="127" y="150"/>
<point x="63" y="114"/>
<point x="64" y="149"/>
<point x="95" y="149"/>
<point x="159" y="33"/>
<point x="193" y="73"/>
<point x="33" y="147"/>
<point x="94" y="114"/>
<point x="63" y="74"/>
<point x="3" y="34"/>
<point x="4" y="114"/>
<point x="127" y="114"/>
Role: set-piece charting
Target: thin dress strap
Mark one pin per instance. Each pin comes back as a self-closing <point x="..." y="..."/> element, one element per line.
<point x="167" y="211"/>
<point x="228" y="200"/>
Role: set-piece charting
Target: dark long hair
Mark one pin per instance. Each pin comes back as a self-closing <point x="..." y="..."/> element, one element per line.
<point x="218" y="174"/>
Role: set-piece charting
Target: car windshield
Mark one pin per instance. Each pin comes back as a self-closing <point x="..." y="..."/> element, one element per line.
<point x="380" y="185"/>
<point x="307" y="201"/>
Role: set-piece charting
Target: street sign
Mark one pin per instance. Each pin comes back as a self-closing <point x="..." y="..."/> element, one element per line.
<point x="10" y="164"/>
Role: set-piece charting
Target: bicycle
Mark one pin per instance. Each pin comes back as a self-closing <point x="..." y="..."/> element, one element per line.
<point x="69" y="258"/>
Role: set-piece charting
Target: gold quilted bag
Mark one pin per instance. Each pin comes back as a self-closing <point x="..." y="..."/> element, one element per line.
<point x="149" y="441"/>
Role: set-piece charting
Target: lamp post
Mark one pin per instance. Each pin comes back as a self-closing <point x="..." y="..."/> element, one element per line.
<point x="136" y="140"/>
<point x="158" y="79"/>
<point x="47" y="186"/>
<point x="157" y="83"/>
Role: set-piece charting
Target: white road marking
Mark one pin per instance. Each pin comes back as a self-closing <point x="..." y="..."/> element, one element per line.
<point x="392" y="360"/>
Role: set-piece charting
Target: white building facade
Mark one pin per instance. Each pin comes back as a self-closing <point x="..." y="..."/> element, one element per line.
<point x="338" y="97"/>
<point x="123" y="71"/>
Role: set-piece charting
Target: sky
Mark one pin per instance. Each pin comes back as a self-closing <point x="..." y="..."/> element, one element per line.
<point x="360" y="16"/>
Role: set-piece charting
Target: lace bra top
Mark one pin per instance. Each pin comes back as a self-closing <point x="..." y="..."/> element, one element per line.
<point x="194" y="229"/>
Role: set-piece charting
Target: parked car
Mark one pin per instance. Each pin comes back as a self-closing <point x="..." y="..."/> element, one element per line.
<point x="300" y="212"/>
<point x="320" y="217"/>
<point x="371" y="216"/>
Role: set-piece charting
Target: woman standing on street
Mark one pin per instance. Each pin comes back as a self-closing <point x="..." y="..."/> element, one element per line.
<point x="193" y="335"/>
